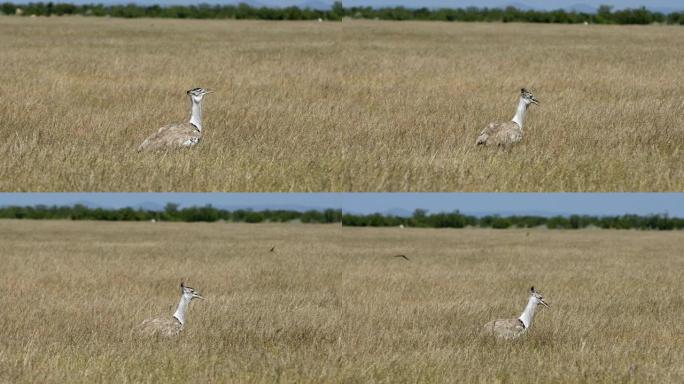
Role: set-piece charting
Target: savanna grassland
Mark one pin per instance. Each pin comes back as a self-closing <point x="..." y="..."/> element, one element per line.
<point x="350" y="106"/>
<point x="333" y="304"/>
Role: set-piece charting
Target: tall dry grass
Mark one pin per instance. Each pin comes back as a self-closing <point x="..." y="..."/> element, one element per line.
<point x="352" y="106"/>
<point x="334" y="305"/>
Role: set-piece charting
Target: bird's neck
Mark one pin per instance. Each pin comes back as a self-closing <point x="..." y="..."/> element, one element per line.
<point x="520" y="113"/>
<point x="182" y="308"/>
<point x="528" y="314"/>
<point x="196" y="114"/>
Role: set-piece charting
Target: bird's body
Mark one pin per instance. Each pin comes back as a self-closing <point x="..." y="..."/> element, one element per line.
<point x="172" y="325"/>
<point x="502" y="134"/>
<point x="172" y="136"/>
<point x="180" y="135"/>
<point x="506" y="329"/>
<point x="509" y="329"/>
<point x="510" y="132"/>
<point x="161" y="326"/>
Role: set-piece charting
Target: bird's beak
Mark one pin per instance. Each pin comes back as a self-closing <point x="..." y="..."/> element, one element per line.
<point x="544" y="302"/>
<point x="209" y="91"/>
<point x="199" y="297"/>
<point x="535" y="101"/>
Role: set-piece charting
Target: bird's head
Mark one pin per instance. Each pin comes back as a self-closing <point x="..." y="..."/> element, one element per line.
<point x="528" y="97"/>
<point x="190" y="293"/>
<point x="197" y="94"/>
<point x="537" y="297"/>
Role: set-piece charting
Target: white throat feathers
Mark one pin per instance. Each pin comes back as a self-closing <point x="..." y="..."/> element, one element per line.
<point x="528" y="314"/>
<point x="182" y="308"/>
<point x="196" y="114"/>
<point x="520" y="113"/>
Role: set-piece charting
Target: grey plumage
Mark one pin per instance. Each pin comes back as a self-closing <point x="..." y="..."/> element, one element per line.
<point x="180" y="135"/>
<point x="502" y="134"/>
<point x="161" y="326"/>
<point x="170" y="326"/>
<point x="510" y="132"/>
<point x="506" y="329"/>
<point x="172" y="136"/>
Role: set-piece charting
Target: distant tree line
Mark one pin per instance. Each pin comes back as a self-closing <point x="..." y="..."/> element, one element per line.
<point x="170" y="213"/>
<point x="605" y="14"/>
<point x="419" y="219"/>
<point x="422" y="219"/>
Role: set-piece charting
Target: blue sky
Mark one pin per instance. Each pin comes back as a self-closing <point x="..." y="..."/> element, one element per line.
<point x="519" y="203"/>
<point x="397" y="203"/>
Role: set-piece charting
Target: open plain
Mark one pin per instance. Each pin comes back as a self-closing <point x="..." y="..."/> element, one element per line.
<point x="333" y="305"/>
<point x="339" y="106"/>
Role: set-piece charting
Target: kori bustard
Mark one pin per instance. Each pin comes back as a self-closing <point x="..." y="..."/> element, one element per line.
<point x="168" y="326"/>
<point x="503" y="134"/>
<point x="513" y="328"/>
<point x="181" y="135"/>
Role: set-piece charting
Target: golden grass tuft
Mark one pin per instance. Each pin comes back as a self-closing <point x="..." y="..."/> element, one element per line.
<point x="333" y="305"/>
<point x="351" y="106"/>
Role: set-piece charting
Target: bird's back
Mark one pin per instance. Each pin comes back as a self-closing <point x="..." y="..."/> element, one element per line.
<point x="162" y="326"/>
<point x="505" y="328"/>
<point x="172" y="136"/>
<point x="500" y="134"/>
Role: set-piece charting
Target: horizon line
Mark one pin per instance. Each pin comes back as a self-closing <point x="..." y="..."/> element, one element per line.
<point x="160" y="207"/>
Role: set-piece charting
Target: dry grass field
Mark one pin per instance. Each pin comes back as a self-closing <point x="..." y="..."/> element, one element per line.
<point x="332" y="304"/>
<point x="351" y="106"/>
